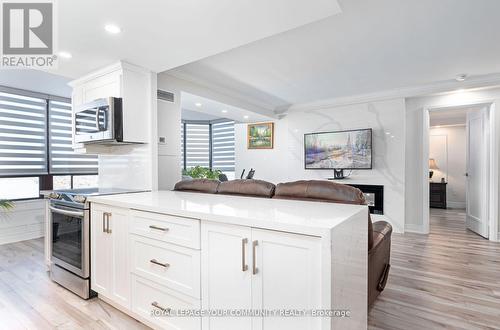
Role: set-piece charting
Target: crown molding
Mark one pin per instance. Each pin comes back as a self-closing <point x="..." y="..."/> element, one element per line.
<point x="228" y="92"/>
<point x="490" y="80"/>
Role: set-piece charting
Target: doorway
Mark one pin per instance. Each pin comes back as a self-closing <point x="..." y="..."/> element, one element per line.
<point x="457" y="151"/>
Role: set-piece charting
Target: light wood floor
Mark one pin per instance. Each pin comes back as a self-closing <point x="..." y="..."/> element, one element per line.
<point x="449" y="279"/>
<point x="30" y="300"/>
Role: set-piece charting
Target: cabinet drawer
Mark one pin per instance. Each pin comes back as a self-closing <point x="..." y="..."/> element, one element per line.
<point x="167" y="228"/>
<point x="146" y="294"/>
<point x="173" y="266"/>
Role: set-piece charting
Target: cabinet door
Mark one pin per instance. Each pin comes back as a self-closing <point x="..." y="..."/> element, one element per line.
<point x="226" y="274"/>
<point x="119" y="261"/>
<point x="287" y="275"/>
<point x="100" y="251"/>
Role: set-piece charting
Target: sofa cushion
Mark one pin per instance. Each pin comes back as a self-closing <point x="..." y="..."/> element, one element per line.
<point x="198" y="185"/>
<point x="247" y="187"/>
<point x="324" y="191"/>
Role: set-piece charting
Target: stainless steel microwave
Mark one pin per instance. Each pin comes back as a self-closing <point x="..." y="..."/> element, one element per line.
<point x="99" y="121"/>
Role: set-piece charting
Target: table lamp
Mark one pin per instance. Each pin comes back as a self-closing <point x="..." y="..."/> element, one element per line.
<point x="432" y="166"/>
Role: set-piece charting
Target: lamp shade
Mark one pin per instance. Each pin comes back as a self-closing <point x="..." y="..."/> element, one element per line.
<point x="432" y="164"/>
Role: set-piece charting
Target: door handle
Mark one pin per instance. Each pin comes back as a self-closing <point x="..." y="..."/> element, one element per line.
<point x="104" y="222"/>
<point x="255" y="270"/>
<point x="244" y="266"/>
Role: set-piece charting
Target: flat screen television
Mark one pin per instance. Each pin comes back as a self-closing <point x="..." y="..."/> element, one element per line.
<point x="346" y="150"/>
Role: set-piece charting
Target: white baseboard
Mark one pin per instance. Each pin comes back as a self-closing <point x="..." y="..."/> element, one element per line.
<point x="412" y="228"/>
<point x="455" y="205"/>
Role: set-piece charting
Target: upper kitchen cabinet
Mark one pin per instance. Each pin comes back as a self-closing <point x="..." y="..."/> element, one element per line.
<point x="135" y="86"/>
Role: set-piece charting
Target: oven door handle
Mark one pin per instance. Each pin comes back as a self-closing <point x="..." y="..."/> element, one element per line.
<point x="66" y="212"/>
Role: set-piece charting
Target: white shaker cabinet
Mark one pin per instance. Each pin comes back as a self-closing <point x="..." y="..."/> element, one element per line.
<point x="109" y="253"/>
<point x="247" y="268"/>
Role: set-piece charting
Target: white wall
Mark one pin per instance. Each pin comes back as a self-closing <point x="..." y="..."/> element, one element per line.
<point x="414" y="163"/>
<point x="36" y="81"/>
<point x="286" y="161"/>
<point x="25" y="221"/>
<point x="169" y="119"/>
<point x="447" y="146"/>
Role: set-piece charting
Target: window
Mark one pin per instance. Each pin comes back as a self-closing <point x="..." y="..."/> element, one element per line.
<point x="85" y="181"/>
<point x="209" y="144"/>
<point x="19" y="188"/>
<point x="61" y="182"/>
<point x="23" y="135"/>
<point x="197" y="145"/>
<point x="62" y="157"/>
<point x="35" y="146"/>
<point x="223" y="146"/>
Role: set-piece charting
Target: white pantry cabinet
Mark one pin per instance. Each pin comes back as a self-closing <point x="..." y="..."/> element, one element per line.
<point x="110" y="276"/>
<point x="249" y="268"/>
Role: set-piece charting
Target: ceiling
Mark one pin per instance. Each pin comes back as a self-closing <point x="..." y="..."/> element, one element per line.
<point x="161" y="35"/>
<point x="453" y="116"/>
<point x="371" y="46"/>
<point x="208" y="109"/>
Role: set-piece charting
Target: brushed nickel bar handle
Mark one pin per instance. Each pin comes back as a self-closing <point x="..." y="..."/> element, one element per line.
<point x="255" y="270"/>
<point x="156" y="262"/>
<point x="104" y="222"/>
<point x="163" y="309"/>
<point x="244" y="266"/>
<point x="107" y="221"/>
<point x="159" y="228"/>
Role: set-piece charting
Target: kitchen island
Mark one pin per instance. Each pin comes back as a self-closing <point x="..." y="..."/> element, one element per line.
<point x="181" y="260"/>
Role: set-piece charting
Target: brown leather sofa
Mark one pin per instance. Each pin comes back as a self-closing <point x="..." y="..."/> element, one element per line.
<point x="379" y="233"/>
<point x="247" y="187"/>
<point x="198" y="185"/>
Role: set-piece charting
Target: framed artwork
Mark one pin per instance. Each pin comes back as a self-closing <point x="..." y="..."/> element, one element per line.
<point x="260" y="136"/>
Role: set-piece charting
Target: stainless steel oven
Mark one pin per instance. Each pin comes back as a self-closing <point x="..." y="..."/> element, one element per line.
<point x="99" y="121"/>
<point x="70" y="246"/>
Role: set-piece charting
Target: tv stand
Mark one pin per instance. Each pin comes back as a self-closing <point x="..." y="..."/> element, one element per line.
<point x="338" y="175"/>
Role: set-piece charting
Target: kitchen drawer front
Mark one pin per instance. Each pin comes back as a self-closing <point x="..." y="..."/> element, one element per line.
<point x="167" y="228"/>
<point x="145" y="293"/>
<point x="173" y="266"/>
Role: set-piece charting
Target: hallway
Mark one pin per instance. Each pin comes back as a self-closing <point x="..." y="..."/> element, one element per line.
<point x="447" y="279"/>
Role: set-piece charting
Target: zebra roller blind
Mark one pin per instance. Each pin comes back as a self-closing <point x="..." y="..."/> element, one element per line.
<point x="223" y="146"/>
<point x="63" y="160"/>
<point x="35" y="136"/>
<point x="23" y="135"/>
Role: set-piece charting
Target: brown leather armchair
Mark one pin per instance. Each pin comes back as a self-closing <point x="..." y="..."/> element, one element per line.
<point x="379" y="233"/>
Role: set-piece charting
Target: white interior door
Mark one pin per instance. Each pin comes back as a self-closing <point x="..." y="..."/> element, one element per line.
<point x="477" y="172"/>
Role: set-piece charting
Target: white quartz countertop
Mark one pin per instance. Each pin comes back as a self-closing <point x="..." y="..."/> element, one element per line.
<point x="311" y="218"/>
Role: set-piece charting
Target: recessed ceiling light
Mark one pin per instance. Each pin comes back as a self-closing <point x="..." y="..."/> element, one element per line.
<point x="113" y="29"/>
<point x="388" y="133"/>
<point x="461" y="77"/>
<point x="224" y="111"/>
<point x="64" y="55"/>
<point x="198" y="104"/>
<point x="246" y="117"/>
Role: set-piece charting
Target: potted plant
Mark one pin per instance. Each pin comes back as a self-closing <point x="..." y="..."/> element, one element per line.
<point x="199" y="172"/>
<point x="5" y="204"/>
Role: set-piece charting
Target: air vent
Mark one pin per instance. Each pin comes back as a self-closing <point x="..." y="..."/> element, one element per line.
<point x="165" y="96"/>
